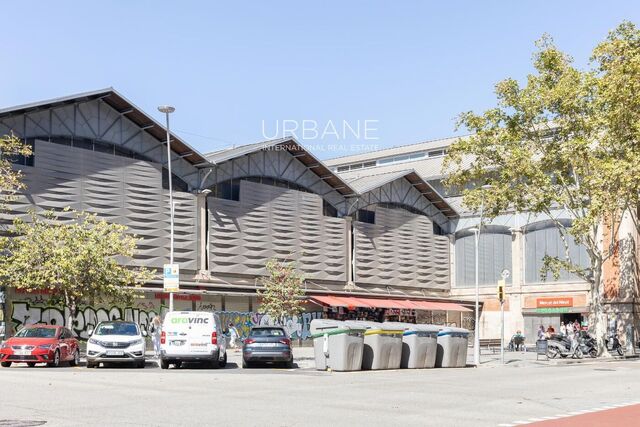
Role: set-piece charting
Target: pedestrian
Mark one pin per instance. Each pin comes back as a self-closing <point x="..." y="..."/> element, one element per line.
<point x="563" y="329"/>
<point x="518" y="340"/>
<point x="576" y="325"/>
<point x="155" y="328"/>
<point x="541" y="335"/>
<point x="233" y="336"/>
<point x="570" y="330"/>
<point x="550" y="331"/>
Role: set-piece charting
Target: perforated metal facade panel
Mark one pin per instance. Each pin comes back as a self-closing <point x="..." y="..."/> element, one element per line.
<point x="118" y="189"/>
<point x="272" y="222"/>
<point x="400" y="249"/>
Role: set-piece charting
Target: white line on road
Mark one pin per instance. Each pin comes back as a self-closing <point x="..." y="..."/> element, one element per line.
<point x="570" y="414"/>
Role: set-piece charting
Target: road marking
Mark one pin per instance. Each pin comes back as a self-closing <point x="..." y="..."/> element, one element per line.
<point x="569" y="414"/>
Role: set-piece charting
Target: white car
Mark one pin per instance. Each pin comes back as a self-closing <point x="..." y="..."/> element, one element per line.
<point x="116" y="342"/>
<point x="192" y="336"/>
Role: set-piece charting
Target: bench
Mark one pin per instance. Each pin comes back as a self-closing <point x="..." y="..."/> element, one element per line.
<point x="491" y="344"/>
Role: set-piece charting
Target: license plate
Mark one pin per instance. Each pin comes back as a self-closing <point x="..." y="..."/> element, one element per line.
<point x="199" y="347"/>
<point x="177" y="343"/>
<point x="115" y="353"/>
<point x="22" y="352"/>
<point x="266" y="344"/>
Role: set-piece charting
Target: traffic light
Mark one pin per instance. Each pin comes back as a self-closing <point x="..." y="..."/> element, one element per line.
<point x="501" y="290"/>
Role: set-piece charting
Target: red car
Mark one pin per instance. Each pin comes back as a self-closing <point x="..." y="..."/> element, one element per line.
<point x="40" y="344"/>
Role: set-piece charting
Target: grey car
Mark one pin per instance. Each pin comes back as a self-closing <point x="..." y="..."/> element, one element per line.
<point x="267" y="344"/>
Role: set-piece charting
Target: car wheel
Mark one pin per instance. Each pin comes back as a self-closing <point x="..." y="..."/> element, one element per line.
<point x="164" y="363"/>
<point x="5" y="364"/>
<point x="56" y="360"/>
<point x="289" y="364"/>
<point x="31" y="364"/>
<point x="76" y="359"/>
<point x="223" y="362"/>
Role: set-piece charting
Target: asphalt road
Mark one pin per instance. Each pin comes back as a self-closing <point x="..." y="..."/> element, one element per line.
<point x="486" y="396"/>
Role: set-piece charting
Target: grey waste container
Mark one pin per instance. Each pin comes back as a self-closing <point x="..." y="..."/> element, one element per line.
<point x="336" y="345"/>
<point x="382" y="345"/>
<point x="452" y="348"/>
<point x="419" y="345"/>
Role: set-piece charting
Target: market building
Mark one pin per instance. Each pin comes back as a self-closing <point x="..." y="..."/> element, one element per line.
<point x="375" y="247"/>
<point x="516" y="242"/>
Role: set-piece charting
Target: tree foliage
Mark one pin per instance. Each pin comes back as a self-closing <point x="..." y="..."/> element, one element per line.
<point x="564" y="139"/>
<point x="283" y="291"/>
<point x="10" y="178"/>
<point x="77" y="259"/>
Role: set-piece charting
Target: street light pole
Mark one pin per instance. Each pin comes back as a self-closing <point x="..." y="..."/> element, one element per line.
<point x="168" y="109"/>
<point x="476" y="331"/>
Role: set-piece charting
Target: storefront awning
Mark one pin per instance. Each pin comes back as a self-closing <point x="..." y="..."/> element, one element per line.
<point x="354" y="302"/>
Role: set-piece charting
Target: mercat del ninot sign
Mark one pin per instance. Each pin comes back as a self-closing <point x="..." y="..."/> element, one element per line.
<point x="554" y="304"/>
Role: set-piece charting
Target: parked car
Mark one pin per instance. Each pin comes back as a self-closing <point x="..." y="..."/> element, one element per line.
<point x="267" y="344"/>
<point x="192" y="336"/>
<point x="40" y="344"/>
<point x="116" y="342"/>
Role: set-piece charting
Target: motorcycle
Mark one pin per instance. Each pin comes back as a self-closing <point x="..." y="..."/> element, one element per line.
<point x="559" y="345"/>
<point x="588" y="344"/>
<point x="613" y="344"/>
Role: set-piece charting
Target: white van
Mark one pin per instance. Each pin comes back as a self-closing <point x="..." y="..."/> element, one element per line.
<point x="192" y="336"/>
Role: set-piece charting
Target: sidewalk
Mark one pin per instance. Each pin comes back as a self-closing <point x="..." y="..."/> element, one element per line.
<point x="529" y="358"/>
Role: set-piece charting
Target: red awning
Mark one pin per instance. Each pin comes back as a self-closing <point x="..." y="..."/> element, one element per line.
<point x="352" y="302"/>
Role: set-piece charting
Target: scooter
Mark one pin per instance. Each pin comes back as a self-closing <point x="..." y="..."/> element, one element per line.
<point x="613" y="344"/>
<point x="558" y="345"/>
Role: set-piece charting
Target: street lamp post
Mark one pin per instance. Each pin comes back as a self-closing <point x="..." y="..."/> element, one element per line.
<point x="168" y="109"/>
<point x="476" y="332"/>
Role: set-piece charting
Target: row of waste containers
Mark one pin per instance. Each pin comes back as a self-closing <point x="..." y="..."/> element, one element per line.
<point x="355" y="345"/>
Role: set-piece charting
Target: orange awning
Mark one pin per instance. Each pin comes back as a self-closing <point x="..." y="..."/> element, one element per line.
<point x="352" y="302"/>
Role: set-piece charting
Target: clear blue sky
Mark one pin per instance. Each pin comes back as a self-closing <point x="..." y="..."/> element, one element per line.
<point x="229" y="66"/>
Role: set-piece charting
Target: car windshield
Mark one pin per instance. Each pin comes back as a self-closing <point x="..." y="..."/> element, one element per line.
<point x="267" y="332"/>
<point x="117" y="329"/>
<point x="37" y="333"/>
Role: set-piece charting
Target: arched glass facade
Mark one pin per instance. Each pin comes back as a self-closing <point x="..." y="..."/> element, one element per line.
<point x="494" y="255"/>
<point x="543" y="238"/>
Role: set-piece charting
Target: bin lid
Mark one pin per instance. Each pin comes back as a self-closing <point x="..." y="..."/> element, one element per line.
<point x="459" y="332"/>
<point x="401" y="326"/>
<point x="321" y="327"/>
<point x="374" y="327"/>
<point x="323" y="324"/>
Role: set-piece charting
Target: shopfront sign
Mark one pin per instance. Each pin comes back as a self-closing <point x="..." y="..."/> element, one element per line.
<point x="553" y="310"/>
<point x="554" y="302"/>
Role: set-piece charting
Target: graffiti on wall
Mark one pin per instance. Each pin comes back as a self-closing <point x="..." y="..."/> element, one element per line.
<point x="296" y="326"/>
<point x="38" y="311"/>
<point x="28" y="312"/>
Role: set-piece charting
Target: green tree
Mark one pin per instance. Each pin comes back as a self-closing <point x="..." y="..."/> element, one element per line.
<point x="283" y="292"/>
<point x="78" y="259"/>
<point x="10" y="178"/>
<point x="617" y="68"/>
<point x="565" y="139"/>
